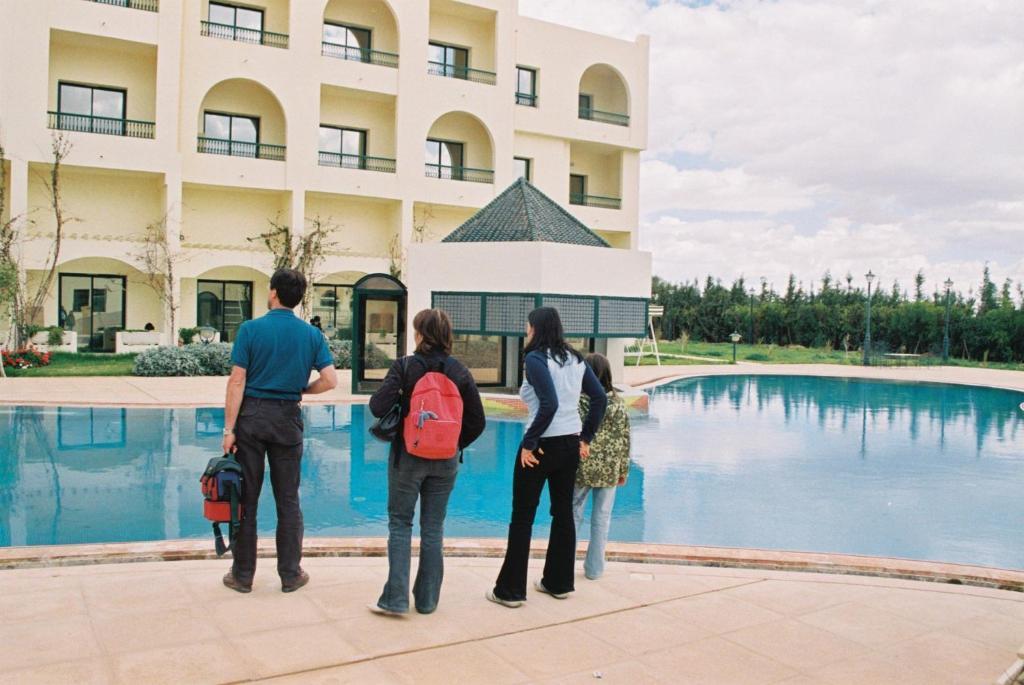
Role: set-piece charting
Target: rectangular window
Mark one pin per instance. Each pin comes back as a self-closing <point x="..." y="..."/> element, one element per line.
<point x="444" y="159"/>
<point x="242" y="18"/>
<point x="333" y="304"/>
<point x="224" y="306"/>
<point x="231" y="134"/>
<point x="526" y="86"/>
<point x="586" y="106"/>
<point x="346" y="42"/>
<point x="577" y="189"/>
<point x="92" y="306"/>
<point x="448" y="60"/>
<point x="483" y="355"/>
<point x="524" y="168"/>
<point x="91" y="108"/>
<point x="344" y="147"/>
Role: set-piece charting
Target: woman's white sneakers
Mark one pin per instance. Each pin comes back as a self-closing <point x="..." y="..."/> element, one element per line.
<point x="557" y="595"/>
<point x="510" y="603"/>
<point x="381" y="611"/>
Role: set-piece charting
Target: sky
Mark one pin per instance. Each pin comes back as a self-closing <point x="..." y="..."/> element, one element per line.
<point x="805" y="136"/>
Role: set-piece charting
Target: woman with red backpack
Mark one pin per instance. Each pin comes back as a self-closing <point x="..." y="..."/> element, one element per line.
<point x="441" y="415"/>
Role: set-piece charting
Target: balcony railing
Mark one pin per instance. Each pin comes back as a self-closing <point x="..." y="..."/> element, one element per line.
<point x="604" y="117"/>
<point x="384" y="59"/>
<point x="464" y="73"/>
<point x="526" y="99"/>
<point x="345" y="161"/>
<point x="236" y="148"/>
<point x="244" y="35"/>
<point x="84" y="123"/>
<point x="460" y="173"/>
<point x="595" y="201"/>
<point x="146" y="5"/>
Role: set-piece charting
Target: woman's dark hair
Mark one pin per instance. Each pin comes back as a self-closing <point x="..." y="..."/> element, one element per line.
<point x="290" y="286"/>
<point x="602" y="369"/>
<point x="548" y="335"/>
<point x="435" y="329"/>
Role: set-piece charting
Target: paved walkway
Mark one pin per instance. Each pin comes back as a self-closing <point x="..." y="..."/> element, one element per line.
<point x="209" y="391"/>
<point x="173" y="622"/>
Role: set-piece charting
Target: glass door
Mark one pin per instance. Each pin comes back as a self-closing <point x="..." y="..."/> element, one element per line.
<point x="378" y="336"/>
<point x="224" y="306"/>
<point x="93" y="307"/>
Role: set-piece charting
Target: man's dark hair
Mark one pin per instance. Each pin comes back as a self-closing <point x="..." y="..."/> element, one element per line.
<point x="435" y="328"/>
<point x="290" y="286"/>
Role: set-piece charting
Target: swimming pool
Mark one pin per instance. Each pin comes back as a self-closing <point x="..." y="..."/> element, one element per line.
<point x="781" y="462"/>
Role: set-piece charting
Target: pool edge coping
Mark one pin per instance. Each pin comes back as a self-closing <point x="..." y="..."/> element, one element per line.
<point x="685" y="555"/>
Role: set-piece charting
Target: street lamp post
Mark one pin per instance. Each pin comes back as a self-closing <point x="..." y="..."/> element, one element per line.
<point x="750" y="329"/>
<point x="867" y="331"/>
<point x="735" y="337"/>
<point x="207" y="334"/>
<point x="945" y="328"/>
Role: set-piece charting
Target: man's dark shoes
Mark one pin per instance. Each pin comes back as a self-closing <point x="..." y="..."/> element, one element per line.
<point x="235" y="584"/>
<point x="295" y="583"/>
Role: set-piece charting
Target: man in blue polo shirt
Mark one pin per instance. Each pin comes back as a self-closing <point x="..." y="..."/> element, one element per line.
<point x="273" y="357"/>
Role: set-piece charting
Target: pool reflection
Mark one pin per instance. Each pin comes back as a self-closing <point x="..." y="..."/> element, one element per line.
<point x="72" y="475"/>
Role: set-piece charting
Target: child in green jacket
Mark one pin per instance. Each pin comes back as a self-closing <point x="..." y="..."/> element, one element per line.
<point x="605" y="469"/>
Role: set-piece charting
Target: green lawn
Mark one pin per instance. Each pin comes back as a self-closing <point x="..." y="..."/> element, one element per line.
<point x="774" y="354"/>
<point x="82" y="364"/>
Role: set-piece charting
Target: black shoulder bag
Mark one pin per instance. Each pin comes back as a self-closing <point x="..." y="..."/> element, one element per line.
<point x="385" y="428"/>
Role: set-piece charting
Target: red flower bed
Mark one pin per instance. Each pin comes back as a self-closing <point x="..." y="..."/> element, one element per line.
<point x="25" y="358"/>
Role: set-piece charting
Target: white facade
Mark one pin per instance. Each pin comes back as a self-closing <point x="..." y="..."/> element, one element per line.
<point x="172" y="74"/>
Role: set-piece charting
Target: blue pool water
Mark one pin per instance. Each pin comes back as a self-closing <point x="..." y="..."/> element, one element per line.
<point x="894" y="469"/>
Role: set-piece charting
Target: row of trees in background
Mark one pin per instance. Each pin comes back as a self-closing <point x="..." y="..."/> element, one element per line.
<point x="985" y="324"/>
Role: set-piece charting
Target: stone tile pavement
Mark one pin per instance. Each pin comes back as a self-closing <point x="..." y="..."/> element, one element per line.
<point x="173" y="622"/>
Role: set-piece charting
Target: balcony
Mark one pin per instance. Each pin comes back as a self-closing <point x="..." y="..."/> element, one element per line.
<point x="347" y="161"/>
<point x="355" y="54"/>
<point x="244" y="35"/>
<point x="459" y="173"/>
<point x="595" y="201"/>
<point x="604" y="117"/>
<point x="84" y="123"/>
<point x="235" y="148"/>
<point x="145" y="5"/>
<point x="464" y="73"/>
<point x="526" y="99"/>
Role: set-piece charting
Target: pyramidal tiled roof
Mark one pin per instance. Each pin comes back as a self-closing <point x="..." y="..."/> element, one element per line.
<point x="523" y="213"/>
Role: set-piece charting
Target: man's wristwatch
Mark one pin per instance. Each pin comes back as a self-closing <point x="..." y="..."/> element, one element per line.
<point x="229" y="431"/>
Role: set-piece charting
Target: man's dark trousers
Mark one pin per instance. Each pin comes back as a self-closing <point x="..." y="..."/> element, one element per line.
<point x="272" y="428"/>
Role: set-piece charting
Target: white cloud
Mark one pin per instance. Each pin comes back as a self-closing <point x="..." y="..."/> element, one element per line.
<point x="898" y="120"/>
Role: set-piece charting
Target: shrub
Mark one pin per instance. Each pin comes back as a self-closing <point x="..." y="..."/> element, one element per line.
<point x="187" y="335"/>
<point x="214" y="359"/>
<point x="376" y="358"/>
<point x="26" y="358"/>
<point x="167" y="360"/>
<point x="341" y="350"/>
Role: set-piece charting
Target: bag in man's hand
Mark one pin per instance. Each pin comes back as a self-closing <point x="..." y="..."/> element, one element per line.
<point x="221" y="484"/>
<point x="434" y="423"/>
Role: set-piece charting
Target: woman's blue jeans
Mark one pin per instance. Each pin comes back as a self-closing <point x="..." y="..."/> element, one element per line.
<point x="431" y="482"/>
<point x="600" y="518"/>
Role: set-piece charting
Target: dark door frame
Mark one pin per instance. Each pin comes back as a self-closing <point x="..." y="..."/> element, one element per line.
<point x="362" y="291"/>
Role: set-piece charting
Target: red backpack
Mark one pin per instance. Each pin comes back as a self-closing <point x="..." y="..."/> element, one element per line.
<point x="431" y="429"/>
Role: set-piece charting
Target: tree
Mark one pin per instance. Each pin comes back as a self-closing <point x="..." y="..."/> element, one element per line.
<point x="25" y="302"/>
<point x="158" y="261"/>
<point x="306" y="255"/>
